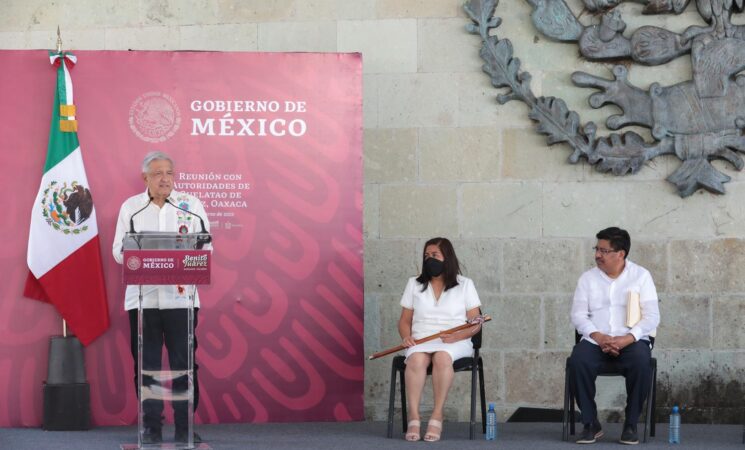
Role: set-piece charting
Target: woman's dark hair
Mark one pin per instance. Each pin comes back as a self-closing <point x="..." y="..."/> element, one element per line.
<point x="452" y="268"/>
<point x="618" y="238"/>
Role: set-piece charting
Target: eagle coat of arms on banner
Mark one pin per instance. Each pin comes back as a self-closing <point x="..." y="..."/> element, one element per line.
<point x="65" y="207"/>
<point x="698" y="120"/>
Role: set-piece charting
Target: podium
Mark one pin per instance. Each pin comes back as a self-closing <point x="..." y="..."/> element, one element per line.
<point x="151" y="259"/>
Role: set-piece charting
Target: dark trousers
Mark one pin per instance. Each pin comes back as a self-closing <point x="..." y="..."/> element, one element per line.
<point x="633" y="363"/>
<point x="169" y="327"/>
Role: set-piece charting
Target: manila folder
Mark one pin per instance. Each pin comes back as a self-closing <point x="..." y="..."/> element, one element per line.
<point x="633" y="309"/>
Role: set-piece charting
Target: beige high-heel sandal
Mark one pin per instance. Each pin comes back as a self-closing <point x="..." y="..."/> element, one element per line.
<point x="430" y="436"/>
<point x="411" y="436"/>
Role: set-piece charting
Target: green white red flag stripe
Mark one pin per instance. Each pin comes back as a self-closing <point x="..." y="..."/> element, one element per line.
<point x="64" y="256"/>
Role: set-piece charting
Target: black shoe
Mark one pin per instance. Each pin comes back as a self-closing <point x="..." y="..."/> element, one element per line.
<point x="183" y="436"/>
<point x="629" y="436"/>
<point x="591" y="433"/>
<point x="152" y="435"/>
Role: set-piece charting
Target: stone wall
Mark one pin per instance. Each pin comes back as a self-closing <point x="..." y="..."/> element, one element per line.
<point x="442" y="158"/>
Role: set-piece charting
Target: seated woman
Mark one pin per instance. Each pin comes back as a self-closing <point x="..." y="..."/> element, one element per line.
<point x="438" y="299"/>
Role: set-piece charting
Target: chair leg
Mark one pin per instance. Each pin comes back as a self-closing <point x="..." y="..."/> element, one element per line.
<point x="565" y="417"/>
<point x="472" y="424"/>
<point x="648" y="416"/>
<point x="392" y="401"/>
<point x="404" y="415"/>
<point x="649" y="419"/>
<point x="483" y="395"/>
<point x="572" y="411"/>
<point x="654" y="402"/>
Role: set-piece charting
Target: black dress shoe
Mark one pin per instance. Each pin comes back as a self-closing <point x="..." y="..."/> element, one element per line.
<point x="591" y="433"/>
<point x="629" y="436"/>
<point x="183" y="436"/>
<point x="152" y="435"/>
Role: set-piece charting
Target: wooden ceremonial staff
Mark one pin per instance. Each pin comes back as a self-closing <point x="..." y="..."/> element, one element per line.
<point x="398" y="348"/>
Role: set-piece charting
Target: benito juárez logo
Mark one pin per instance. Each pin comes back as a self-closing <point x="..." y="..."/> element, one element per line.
<point x="191" y="261"/>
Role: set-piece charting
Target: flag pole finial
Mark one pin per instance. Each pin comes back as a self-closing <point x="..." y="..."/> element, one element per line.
<point x="59" y="41"/>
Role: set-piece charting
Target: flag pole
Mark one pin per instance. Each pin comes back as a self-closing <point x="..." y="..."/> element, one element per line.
<point x="59" y="50"/>
<point x="66" y="391"/>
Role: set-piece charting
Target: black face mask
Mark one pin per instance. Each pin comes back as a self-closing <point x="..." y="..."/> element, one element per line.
<point x="433" y="267"/>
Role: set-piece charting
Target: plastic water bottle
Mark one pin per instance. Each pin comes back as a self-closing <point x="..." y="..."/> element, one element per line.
<point x="491" y="423"/>
<point x="674" y="434"/>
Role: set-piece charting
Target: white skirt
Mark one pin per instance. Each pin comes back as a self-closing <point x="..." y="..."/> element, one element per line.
<point x="457" y="350"/>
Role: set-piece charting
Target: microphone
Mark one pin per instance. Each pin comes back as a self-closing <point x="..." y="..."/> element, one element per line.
<point x="132" y="217"/>
<point x="202" y="239"/>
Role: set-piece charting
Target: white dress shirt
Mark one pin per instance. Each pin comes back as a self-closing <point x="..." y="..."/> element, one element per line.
<point x="155" y="218"/>
<point x="600" y="303"/>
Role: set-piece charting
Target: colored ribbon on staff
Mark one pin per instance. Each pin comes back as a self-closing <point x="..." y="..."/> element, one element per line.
<point x="475" y="321"/>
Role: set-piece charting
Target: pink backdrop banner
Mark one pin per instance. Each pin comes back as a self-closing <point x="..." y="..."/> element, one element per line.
<point x="272" y="144"/>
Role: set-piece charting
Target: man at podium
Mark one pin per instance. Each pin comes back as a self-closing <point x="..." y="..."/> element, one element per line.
<point x="165" y="307"/>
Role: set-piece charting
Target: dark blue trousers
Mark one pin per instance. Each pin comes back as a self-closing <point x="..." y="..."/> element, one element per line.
<point x="634" y="363"/>
<point x="169" y="327"/>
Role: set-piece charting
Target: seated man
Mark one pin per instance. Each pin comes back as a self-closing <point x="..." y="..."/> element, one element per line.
<point x="599" y="315"/>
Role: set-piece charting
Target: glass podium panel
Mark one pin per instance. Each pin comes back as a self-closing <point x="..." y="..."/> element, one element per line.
<point x="165" y="356"/>
<point x="165" y="240"/>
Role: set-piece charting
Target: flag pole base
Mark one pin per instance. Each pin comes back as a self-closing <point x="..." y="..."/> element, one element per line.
<point x="67" y="407"/>
<point x="66" y="391"/>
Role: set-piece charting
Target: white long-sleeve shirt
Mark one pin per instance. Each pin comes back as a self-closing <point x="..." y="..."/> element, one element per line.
<point x="600" y="303"/>
<point x="155" y="218"/>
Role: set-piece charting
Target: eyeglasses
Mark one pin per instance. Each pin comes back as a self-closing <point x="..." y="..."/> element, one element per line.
<point x="160" y="175"/>
<point x="604" y="251"/>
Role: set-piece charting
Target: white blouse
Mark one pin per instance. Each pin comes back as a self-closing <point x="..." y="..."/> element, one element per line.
<point x="431" y="315"/>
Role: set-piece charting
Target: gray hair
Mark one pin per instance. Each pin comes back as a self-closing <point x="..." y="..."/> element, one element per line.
<point x="154" y="156"/>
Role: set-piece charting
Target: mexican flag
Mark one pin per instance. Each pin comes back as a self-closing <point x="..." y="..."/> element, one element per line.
<point x="64" y="254"/>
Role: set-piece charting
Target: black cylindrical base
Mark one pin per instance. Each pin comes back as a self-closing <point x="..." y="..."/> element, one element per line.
<point x="67" y="395"/>
<point x="65" y="364"/>
<point x="67" y="407"/>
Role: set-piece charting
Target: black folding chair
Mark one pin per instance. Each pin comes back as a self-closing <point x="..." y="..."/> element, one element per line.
<point x="474" y="364"/>
<point x="609" y="370"/>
